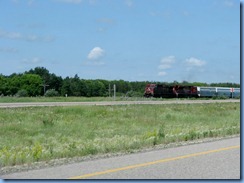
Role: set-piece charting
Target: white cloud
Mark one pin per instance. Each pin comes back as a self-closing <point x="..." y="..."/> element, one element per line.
<point x="8" y="50"/>
<point x="225" y="3"/>
<point x="129" y="3"/>
<point x="19" y="36"/>
<point x="194" y="62"/>
<point x="164" y="66"/>
<point x="10" y="35"/>
<point x="96" y="53"/>
<point x="162" y="73"/>
<point x="105" y="23"/>
<point x="36" y="38"/>
<point x="166" y="62"/>
<point x="228" y="3"/>
<point x="35" y="60"/>
<point x="31" y="2"/>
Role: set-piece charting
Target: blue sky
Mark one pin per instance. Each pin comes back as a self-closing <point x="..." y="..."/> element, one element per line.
<point x="133" y="40"/>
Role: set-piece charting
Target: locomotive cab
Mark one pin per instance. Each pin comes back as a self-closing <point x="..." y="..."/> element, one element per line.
<point x="149" y="90"/>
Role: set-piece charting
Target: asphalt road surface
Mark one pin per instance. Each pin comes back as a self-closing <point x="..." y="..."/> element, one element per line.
<point x="35" y="104"/>
<point x="210" y="160"/>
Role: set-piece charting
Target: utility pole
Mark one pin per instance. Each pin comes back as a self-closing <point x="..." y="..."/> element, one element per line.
<point x="109" y="91"/>
<point x="44" y="87"/>
<point x="114" y="91"/>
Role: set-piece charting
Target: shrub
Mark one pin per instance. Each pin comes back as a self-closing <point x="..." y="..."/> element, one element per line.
<point x="51" y="93"/>
<point x="22" y="93"/>
<point x="37" y="151"/>
<point x="161" y="131"/>
<point x="48" y="122"/>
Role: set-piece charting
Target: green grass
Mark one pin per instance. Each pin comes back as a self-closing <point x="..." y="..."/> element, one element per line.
<point x="44" y="133"/>
<point x="87" y="99"/>
<point x="52" y="99"/>
<point x="76" y="99"/>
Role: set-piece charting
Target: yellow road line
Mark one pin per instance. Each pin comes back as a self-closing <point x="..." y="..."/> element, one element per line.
<point x="153" y="162"/>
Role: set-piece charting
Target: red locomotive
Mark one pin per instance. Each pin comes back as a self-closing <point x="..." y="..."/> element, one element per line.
<point x="167" y="91"/>
<point x="149" y="90"/>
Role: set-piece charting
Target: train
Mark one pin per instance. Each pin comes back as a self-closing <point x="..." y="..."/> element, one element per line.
<point x="178" y="91"/>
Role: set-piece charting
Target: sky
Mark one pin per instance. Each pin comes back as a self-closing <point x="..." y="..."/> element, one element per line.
<point x="132" y="40"/>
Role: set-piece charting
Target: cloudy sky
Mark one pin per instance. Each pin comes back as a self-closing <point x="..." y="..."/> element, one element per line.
<point x="133" y="40"/>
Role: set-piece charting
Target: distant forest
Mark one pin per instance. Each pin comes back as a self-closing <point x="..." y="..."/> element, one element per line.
<point x="39" y="82"/>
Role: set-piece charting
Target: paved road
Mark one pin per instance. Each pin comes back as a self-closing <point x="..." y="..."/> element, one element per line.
<point x="210" y="160"/>
<point x="32" y="104"/>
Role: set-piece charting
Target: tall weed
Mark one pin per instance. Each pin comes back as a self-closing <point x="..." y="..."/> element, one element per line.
<point x="43" y="133"/>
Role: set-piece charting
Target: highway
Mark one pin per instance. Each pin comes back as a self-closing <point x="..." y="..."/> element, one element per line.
<point x="209" y="160"/>
<point x="107" y="103"/>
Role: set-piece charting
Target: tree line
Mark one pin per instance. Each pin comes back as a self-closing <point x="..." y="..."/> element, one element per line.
<point x="39" y="81"/>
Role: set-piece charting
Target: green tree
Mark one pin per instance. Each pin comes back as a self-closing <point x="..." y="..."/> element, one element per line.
<point x="98" y="89"/>
<point x="84" y="87"/>
<point x="51" y="80"/>
<point x="3" y="85"/>
<point x="55" y="82"/>
<point x="13" y="84"/>
<point x="75" y="86"/>
<point x="65" y="89"/>
<point x="31" y="83"/>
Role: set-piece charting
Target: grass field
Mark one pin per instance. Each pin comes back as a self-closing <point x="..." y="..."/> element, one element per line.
<point x="44" y="133"/>
<point x="86" y="99"/>
<point x="53" y="99"/>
